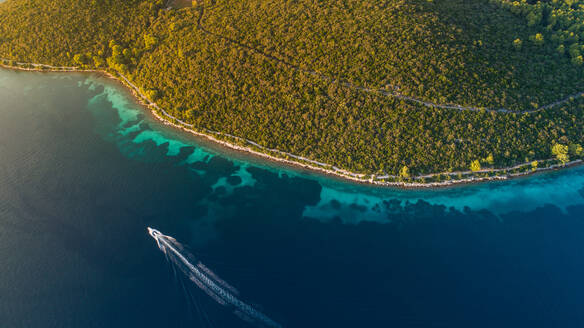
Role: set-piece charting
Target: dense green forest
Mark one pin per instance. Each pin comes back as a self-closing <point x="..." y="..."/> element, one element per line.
<point x="268" y="71"/>
<point x="444" y="51"/>
<point x="53" y="32"/>
<point x="560" y="23"/>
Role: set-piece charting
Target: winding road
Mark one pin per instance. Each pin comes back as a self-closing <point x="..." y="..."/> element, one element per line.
<point x="382" y="92"/>
<point x="327" y="168"/>
<point x="324" y="166"/>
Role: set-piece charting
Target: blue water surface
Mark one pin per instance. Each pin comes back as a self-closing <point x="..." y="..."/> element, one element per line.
<point x="84" y="170"/>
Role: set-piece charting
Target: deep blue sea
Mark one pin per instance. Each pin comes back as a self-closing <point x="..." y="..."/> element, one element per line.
<point x="84" y="171"/>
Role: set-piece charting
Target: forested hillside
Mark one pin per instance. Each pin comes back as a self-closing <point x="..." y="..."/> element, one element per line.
<point x="559" y="23"/>
<point x="269" y="71"/>
<point x="444" y="51"/>
<point x="55" y="31"/>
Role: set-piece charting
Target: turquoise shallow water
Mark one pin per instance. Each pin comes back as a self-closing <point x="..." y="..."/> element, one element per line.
<point x="84" y="170"/>
<point x="563" y="189"/>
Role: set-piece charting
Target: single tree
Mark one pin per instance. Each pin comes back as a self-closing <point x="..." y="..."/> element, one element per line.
<point x="404" y="173"/>
<point x="517" y="43"/>
<point x="475" y="165"/>
<point x="561" y="153"/>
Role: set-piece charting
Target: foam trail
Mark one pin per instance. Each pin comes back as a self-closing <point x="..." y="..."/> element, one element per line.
<point x="207" y="290"/>
<point x="218" y="280"/>
<point x="207" y="281"/>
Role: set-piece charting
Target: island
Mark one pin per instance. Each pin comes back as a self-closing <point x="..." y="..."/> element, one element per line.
<point x="398" y="92"/>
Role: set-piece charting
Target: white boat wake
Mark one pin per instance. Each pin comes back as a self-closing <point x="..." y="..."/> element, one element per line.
<point x="207" y="281"/>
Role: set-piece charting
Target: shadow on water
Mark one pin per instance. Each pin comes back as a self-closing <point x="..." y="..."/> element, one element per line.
<point x="83" y="178"/>
<point x="428" y="265"/>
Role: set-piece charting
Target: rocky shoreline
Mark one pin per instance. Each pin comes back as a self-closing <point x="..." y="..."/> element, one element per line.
<point x="300" y="162"/>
